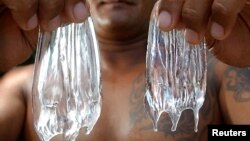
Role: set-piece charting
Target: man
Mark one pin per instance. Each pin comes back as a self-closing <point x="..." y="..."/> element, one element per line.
<point x="122" y="28"/>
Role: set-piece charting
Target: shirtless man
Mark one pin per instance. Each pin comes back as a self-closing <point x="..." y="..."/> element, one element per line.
<point x="123" y="41"/>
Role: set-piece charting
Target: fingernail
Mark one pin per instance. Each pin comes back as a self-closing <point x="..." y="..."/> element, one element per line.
<point x="80" y="11"/>
<point x="32" y="22"/>
<point x="165" y="20"/>
<point x="217" y="31"/>
<point x="192" y="36"/>
<point x="54" y="23"/>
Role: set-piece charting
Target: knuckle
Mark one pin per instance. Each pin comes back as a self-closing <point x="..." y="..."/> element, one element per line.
<point x="30" y="4"/>
<point x="220" y="9"/>
<point x="190" y="15"/>
<point x="170" y="4"/>
<point x="170" y="1"/>
<point x="165" y="4"/>
<point x="49" y="9"/>
<point x="24" y="5"/>
<point x="51" y="4"/>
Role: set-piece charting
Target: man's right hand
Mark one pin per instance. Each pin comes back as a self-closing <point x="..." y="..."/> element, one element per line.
<point x="224" y="23"/>
<point x="19" y="20"/>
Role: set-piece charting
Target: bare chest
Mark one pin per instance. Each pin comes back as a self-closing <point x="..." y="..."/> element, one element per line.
<point x="123" y="116"/>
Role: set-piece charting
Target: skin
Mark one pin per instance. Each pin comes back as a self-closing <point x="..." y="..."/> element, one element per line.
<point x="225" y="23"/>
<point x="20" y="20"/>
<point x="123" y="117"/>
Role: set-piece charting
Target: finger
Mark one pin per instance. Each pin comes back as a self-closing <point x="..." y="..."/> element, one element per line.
<point x="50" y="14"/>
<point x="195" y="16"/>
<point x="2" y="8"/>
<point x="23" y="12"/>
<point x="75" y="10"/>
<point x="224" y="15"/>
<point x="16" y="45"/>
<point x="169" y="13"/>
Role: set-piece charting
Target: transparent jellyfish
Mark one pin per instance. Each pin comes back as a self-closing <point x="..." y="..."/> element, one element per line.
<point x="66" y="86"/>
<point x="175" y="75"/>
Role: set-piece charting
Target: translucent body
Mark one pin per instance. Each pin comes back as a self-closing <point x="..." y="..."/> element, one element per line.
<point x="175" y="75"/>
<point x="66" y="87"/>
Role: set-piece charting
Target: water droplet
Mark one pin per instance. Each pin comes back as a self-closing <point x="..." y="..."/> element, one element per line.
<point x="62" y="57"/>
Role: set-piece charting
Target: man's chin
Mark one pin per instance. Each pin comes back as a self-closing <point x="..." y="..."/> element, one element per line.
<point x="115" y="21"/>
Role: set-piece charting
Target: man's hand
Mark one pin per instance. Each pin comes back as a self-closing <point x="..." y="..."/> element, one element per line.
<point x="225" y="23"/>
<point x="19" y="20"/>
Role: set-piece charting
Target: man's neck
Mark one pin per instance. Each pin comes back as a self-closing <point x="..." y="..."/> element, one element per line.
<point x="123" y="55"/>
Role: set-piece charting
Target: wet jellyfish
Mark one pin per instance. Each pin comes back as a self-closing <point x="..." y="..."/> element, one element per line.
<point x="66" y="86"/>
<point x="175" y="75"/>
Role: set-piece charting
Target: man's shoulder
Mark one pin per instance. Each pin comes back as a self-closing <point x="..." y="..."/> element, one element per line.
<point x="17" y="77"/>
<point x="220" y="72"/>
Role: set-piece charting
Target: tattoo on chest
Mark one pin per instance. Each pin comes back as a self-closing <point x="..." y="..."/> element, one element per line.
<point x="238" y="81"/>
<point x="137" y="112"/>
<point x="185" y="130"/>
